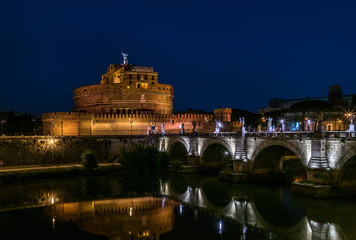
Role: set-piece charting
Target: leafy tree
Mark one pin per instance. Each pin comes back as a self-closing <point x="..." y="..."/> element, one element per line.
<point x="89" y="160"/>
<point x="143" y="159"/>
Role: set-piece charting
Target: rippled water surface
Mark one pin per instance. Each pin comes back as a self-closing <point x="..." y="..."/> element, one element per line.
<point x="168" y="207"/>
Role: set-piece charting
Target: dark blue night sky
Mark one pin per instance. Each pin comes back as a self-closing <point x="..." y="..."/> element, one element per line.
<point x="236" y="54"/>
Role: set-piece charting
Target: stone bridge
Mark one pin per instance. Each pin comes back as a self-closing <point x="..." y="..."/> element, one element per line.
<point x="328" y="160"/>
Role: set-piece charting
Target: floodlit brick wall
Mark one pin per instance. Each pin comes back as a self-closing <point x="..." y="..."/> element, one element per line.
<point x="38" y="150"/>
<point x="125" y="89"/>
<point x="78" y="123"/>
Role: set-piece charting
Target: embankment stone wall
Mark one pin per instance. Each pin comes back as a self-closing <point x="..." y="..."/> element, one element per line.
<point x="41" y="150"/>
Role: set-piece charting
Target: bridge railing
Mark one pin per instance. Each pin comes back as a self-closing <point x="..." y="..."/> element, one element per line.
<point x="303" y="134"/>
<point x="339" y="134"/>
<point x="222" y="134"/>
<point x="287" y="134"/>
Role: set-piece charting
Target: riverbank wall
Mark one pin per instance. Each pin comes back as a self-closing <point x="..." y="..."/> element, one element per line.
<point x="44" y="150"/>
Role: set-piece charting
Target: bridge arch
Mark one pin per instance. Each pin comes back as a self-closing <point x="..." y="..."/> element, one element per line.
<point x="347" y="167"/>
<point x="273" y="156"/>
<point x="217" y="141"/>
<point x="178" y="141"/>
<point x="271" y="143"/>
<point x="344" y="158"/>
<point x="179" y="149"/>
<point x="216" y="153"/>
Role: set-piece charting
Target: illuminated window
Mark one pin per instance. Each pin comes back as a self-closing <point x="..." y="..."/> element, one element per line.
<point x="142" y="85"/>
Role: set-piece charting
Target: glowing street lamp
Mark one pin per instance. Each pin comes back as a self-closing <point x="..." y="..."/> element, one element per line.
<point x="282" y="121"/>
<point x="308" y="124"/>
<point x="350" y="115"/>
<point x="220" y="226"/>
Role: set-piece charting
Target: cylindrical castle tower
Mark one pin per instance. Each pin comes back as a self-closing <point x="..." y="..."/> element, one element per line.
<point x="125" y="89"/>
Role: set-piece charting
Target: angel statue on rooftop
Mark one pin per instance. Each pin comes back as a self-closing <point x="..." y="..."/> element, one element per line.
<point x="125" y="56"/>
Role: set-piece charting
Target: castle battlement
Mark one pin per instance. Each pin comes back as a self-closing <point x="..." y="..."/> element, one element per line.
<point x="128" y="101"/>
<point x="125" y="89"/>
<point x="127" y="117"/>
<point x="82" y="123"/>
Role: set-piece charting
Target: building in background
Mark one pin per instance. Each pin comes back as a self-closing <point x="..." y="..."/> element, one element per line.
<point x="309" y="114"/>
<point x="18" y="124"/>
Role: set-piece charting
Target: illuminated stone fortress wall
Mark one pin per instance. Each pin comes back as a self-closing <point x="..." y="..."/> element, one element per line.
<point x="128" y="101"/>
<point x="81" y="123"/>
<point x="125" y="89"/>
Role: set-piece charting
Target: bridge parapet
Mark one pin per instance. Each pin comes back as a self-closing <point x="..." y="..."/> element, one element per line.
<point x="304" y="134"/>
<point x="286" y="134"/>
<point x="300" y="134"/>
<point x="195" y="134"/>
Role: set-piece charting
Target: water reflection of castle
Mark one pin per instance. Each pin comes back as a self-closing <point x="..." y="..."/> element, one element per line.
<point x="131" y="218"/>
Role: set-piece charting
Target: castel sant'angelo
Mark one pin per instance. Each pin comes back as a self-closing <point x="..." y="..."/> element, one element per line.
<point x="128" y="101"/>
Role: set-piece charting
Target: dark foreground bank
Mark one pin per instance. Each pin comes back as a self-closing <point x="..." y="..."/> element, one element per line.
<point x="23" y="175"/>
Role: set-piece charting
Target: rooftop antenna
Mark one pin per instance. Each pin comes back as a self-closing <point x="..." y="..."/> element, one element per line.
<point x="125" y="56"/>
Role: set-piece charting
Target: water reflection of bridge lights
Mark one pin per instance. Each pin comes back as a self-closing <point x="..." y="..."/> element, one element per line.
<point x="220" y="227"/>
<point x="163" y="200"/>
<point x="241" y="210"/>
<point x="53" y="222"/>
<point x="130" y="212"/>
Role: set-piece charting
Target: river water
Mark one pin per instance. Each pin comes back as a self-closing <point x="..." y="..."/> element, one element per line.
<point x="168" y="207"/>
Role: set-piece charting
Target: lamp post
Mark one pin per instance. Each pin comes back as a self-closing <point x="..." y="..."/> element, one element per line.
<point x="282" y="125"/>
<point x="350" y="116"/>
